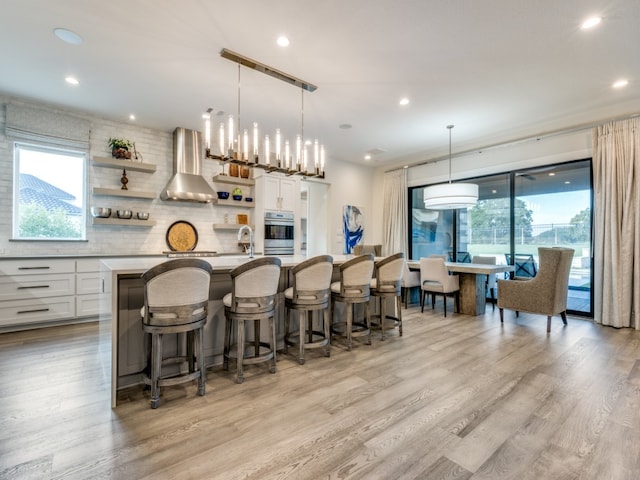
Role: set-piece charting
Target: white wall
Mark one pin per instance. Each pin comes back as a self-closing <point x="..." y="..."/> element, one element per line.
<point x="351" y="184"/>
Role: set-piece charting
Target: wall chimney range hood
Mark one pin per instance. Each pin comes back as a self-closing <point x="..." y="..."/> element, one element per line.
<point x="187" y="183"/>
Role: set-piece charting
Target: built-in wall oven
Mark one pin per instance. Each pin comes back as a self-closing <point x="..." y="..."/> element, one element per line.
<point x="278" y="233"/>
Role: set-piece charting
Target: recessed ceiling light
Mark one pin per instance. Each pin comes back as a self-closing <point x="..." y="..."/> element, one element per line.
<point x="132" y="117"/>
<point x="567" y="182"/>
<point x="67" y="36"/>
<point x="623" y="82"/>
<point x="494" y="191"/>
<point x="404" y="101"/>
<point x="367" y="157"/>
<point x="283" y="41"/>
<point x="405" y="166"/>
<point x="71" y="80"/>
<point x="552" y="174"/>
<point x="590" y="22"/>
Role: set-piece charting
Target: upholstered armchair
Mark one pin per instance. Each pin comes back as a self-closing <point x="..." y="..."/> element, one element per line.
<point x="546" y="293"/>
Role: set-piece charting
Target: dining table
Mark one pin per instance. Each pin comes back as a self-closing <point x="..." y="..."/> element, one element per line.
<point x="473" y="278"/>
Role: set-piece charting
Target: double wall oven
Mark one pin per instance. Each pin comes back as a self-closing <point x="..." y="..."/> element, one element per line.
<point x="278" y="233"/>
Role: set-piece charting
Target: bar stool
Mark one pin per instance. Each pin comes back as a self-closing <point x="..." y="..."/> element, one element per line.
<point x="354" y="287"/>
<point x="310" y="291"/>
<point x="176" y="298"/>
<point x="252" y="298"/>
<point x="386" y="284"/>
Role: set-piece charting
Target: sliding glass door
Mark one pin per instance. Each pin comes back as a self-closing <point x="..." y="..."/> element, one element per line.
<point x="553" y="209"/>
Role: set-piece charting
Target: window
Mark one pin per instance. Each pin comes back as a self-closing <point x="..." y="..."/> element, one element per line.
<point x="49" y="194"/>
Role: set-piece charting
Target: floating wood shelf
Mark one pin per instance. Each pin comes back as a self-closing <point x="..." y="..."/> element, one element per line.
<point x="229" y="226"/>
<point x="126" y="222"/>
<point x="124" y="164"/>
<point x="233" y="180"/>
<point x="117" y="192"/>
<point x="233" y="203"/>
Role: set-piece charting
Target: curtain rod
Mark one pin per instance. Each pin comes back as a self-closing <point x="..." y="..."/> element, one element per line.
<point x="494" y="146"/>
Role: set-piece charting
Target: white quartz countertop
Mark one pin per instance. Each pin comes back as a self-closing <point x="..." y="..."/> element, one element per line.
<point x="222" y="263"/>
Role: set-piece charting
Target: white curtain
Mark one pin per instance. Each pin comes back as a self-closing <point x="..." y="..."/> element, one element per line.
<point x="394" y="215"/>
<point x="616" y="181"/>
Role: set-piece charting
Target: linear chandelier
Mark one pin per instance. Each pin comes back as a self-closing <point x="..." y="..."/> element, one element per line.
<point x="234" y="145"/>
<point x="450" y="196"/>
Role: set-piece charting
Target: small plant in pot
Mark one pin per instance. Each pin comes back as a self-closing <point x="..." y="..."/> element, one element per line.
<point x="120" y="148"/>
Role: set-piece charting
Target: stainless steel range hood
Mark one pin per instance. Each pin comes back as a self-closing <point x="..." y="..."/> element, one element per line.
<point x="187" y="183"/>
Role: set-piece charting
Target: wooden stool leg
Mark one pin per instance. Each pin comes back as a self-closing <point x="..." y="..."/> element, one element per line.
<point x="383" y="313"/>
<point x="301" y="320"/>
<point x="367" y="314"/>
<point x="256" y="337"/>
<point x="156" y="365"/>
<point x="399" y="315"/>
<point x="287" y="319"/>
<point x="327" y="333"/>
<point x="227" y="343"/>
<point x="201" y="361"/>
<point x="240" y="350"/>
<point x="349" y="325"/>
<point x="272" y="330"/>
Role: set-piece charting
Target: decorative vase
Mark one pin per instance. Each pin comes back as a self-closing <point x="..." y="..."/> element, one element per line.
<point x="244" y="172"/>
<point x="234" y="171"/>
<point x="121" y="152"/>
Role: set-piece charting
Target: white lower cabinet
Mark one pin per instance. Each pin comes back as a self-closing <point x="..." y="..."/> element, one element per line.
<point x="34" y="292"/>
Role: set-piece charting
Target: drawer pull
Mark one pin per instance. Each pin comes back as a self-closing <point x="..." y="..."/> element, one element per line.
<point x="34" y="311"/>
<point x="34" y="268"/>
<point x="33" y="286"/>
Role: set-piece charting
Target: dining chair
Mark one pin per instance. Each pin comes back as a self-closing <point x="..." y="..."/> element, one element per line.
<point x="435" y="279"/>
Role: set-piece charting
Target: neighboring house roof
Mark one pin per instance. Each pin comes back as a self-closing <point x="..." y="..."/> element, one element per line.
<point x="36" y="190"/>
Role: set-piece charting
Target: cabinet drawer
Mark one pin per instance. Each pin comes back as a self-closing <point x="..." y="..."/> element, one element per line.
<point x="32" y="266"/>
<point x="90" y="282"/>
<point x="19" y="312"/>
<point x="36" y="286"/>
<point x="88" y="305"/>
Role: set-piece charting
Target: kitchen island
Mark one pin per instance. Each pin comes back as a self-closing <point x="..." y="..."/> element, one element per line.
<point x="126" y="296"/>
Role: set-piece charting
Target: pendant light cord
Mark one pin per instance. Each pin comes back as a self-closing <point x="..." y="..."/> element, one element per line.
<point x="450" y="127"/>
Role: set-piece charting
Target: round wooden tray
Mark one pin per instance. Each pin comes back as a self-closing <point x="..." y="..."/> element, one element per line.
<point x="182" y="236"/>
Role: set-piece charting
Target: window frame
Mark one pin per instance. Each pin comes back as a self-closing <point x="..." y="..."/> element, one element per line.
<point x="19" y="146"/>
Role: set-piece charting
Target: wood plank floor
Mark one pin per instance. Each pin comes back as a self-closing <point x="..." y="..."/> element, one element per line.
<point x="455" y="398"/>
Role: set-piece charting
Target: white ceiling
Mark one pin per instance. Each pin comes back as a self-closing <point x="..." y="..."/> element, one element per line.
<point x="499" y="70"/>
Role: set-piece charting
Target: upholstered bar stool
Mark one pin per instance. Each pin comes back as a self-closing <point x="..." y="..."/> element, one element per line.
<point x="354" y="287"/>
<point x="252" y="299"/>
<point x="310" y="292"/>
<point x="176" y="297"/>
<point x="387" y="284"/>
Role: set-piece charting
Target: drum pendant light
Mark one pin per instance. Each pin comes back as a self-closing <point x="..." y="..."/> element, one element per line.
<point x="450" y="196"/>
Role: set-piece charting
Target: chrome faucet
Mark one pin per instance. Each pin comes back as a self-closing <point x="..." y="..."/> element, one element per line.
<point x="241" y="231"/>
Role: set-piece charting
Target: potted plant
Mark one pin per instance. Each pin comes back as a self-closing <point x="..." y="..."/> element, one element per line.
<point x="120" y="147"/>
